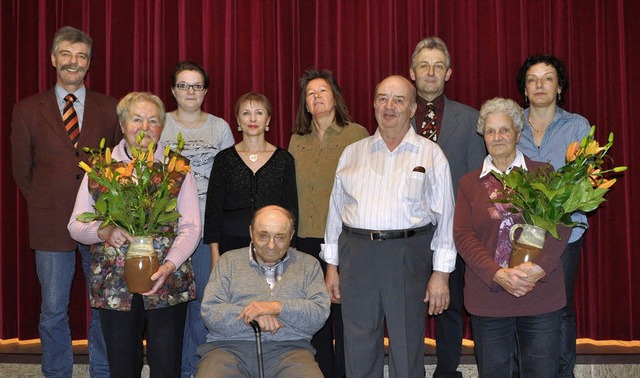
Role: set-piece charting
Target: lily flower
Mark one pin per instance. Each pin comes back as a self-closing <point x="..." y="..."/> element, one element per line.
<point x="85" y="167"/>
<point x="126" y="171"/>
<point x="572" y="151"/>
<point x="182" y="167"/>
<point x="606" y="184"/>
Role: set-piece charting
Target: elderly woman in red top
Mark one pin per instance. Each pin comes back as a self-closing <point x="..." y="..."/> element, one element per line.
<point x="514" y="311"/>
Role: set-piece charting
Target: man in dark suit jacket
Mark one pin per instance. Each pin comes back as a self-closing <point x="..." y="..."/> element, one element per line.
<point x="453" y="126"/>
<point x="45" y="168"/>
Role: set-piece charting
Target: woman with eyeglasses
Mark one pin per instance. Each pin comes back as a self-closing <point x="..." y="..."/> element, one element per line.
<point x="205" y="135"/>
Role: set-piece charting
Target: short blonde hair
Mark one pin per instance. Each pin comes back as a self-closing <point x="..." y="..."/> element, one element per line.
<point x="501" y="105"/>
<point x="127" y="103"/>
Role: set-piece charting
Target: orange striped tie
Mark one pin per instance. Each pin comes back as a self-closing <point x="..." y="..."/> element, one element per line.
<point x="70" y="119"/>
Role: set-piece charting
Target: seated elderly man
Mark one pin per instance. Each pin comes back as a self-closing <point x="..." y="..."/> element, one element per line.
<point x="279" y="287"/>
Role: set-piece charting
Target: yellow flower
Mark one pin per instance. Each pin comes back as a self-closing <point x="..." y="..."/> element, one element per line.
<point x="85" y="167"/>
<point x="126" y="171"/>
<point x="593" y="148"/>
<point x="150" y="158"/>
<point x="182" y="167"/>
<point x="172" y="164"/>
<point x="107" y="156"/>
<point x="606" y="184"/>
<point x="108" y="173"/>
<point x="572" y="151"/>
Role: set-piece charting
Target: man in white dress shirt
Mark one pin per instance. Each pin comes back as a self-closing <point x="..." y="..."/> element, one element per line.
<point x="390" y="229"/>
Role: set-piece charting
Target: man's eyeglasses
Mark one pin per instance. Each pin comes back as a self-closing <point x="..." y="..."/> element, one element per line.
<point x="185" y="87"/>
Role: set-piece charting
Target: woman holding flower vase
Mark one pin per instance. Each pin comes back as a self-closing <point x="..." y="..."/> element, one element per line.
<point x="548" y="131"/>
<point x="124" y="189"/>
<point x="514" y="311"/>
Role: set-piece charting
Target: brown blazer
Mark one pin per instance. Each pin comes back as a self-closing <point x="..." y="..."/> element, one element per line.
<point x="45" y="163"/>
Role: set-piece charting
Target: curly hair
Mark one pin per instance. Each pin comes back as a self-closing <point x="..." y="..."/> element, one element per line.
<point x="550" y="60"/>
<point x="501" y="105"/>
<point x="126" y="104"/>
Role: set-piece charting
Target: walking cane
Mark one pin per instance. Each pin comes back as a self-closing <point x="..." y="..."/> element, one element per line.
<point x="256" y="330"/>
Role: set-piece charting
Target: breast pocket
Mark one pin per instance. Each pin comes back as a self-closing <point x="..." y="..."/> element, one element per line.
<point x="413" y="187"/>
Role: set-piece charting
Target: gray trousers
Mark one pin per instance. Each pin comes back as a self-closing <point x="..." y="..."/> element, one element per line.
<point x="239" y="359"/>
<point x="384" y="280"/>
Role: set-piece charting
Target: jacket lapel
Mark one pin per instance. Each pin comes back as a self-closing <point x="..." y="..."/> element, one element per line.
<point x="51" y="114"/>
<point x="449" y="122"/>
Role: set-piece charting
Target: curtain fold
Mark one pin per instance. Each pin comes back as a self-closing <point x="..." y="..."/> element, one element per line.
<point x="265" y="45"/>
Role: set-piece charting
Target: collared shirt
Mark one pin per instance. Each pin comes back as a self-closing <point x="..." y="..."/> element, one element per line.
<point x="378" y="189"/>
<point x="78" y="105"/>
<point x="488" y="166"/>
<point x="564" y="129"/>
<point x="316" y="162"/>
<point x="272" y="273"/>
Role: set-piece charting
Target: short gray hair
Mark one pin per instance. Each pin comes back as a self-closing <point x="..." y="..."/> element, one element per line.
<point x="501" y="105"/>
<point x="431" y="43"/>
<point x="127" y="103"/>
<point x="71" y="35"/>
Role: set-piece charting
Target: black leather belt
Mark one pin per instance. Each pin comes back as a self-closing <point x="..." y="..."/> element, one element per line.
<point x="386" y="235"/>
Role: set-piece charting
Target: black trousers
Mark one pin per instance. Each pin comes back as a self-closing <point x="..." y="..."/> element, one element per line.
<point x="124" y="331"/>
<point x="331" y="361"/>
<point x="450" y="326"/>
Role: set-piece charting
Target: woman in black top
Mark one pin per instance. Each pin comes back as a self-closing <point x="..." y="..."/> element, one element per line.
<point x="252" y="174"/>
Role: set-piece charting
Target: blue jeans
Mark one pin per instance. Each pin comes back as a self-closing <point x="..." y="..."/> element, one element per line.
<point x="534" y="340"/>
<point x="55" y="273"/>
<point x="98" y="363"/>
<point x="195" y="332"/>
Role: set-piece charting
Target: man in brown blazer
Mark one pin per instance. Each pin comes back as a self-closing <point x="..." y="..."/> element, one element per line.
<point x="45" y="167"/>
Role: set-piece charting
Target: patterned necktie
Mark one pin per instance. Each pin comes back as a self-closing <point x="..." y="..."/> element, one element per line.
<point x="70" y="119"/>
<point x="429" y="128"/>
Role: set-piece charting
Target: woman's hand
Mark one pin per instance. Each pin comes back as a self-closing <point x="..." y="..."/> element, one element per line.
<point x="114" y="236"/>
<point x="534" y="272"/>
<point x="160" y="276"/>
<point x="514" y="281"/>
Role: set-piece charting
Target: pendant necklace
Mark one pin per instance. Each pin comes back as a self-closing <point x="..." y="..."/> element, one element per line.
<point x="253" y="158"/>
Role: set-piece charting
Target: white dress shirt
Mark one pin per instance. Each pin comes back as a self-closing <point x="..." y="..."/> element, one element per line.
<point x="488" y="166"/>
<point x="378" y="189"/>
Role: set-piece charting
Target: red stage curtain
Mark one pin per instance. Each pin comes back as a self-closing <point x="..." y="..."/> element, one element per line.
<point x="265" y="45"/>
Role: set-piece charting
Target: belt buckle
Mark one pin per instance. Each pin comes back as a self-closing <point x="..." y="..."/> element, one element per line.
<point x="377" y="233"/>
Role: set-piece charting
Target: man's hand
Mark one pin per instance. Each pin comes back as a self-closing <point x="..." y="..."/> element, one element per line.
<point x="255" y="309"/>
<point x="269" y="323"/>
<point x="437" y="294"/>
<point x="514" y="281"/>
<point x="332" y="281"/>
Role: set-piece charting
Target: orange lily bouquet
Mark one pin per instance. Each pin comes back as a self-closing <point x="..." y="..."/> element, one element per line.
<point x="547" y="198"/>
<point x="139" y="196"/>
